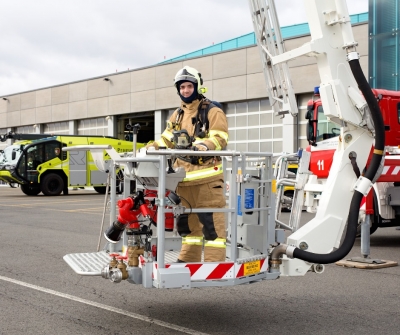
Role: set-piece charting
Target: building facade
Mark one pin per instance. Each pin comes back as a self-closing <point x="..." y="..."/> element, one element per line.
<point x="105" y="104"/>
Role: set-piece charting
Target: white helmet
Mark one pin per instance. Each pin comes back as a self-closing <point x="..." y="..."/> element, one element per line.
<point x="190" y="74"/>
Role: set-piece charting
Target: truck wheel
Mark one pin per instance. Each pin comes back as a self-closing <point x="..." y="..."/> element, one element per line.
<point x="52" y="184"/>
<point x="31" y="189"/>
<point x="100" y="189"/>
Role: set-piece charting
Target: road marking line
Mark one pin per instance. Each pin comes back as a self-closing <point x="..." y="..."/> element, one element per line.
<point x="46" y="202"/>
<point x="105" y="307"/>
<point x="83" y="209"/>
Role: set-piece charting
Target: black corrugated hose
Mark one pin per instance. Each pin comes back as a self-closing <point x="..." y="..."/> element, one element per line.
<point x="352" y="220"/>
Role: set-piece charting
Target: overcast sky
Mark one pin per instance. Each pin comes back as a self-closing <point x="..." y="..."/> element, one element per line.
<point x="50" y="42"/>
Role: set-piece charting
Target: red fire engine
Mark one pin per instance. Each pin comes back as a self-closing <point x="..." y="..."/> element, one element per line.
<point x="383" y="201"/>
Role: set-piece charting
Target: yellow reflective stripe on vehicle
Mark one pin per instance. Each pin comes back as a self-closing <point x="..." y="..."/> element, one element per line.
<point x="217" y="243"/>
<point x="200" y="174"/>
<point x="192" y="240"/>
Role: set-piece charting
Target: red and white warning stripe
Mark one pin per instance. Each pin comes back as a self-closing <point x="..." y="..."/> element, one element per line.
<point x="391" y="170"/>
<point x="213" y="271"/>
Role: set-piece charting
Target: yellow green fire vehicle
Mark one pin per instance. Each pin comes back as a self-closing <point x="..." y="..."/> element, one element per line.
<point x="38" y="164"/>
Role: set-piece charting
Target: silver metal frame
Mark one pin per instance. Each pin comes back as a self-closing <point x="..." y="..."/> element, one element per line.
<point x="174" y="276"/>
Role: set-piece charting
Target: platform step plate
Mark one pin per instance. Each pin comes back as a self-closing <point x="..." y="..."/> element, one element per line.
<point x="92" y="263"/>
<point x="88" y="264"/>
<point x="171" y="256"/>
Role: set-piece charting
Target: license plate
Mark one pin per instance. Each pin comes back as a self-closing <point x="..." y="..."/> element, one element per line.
<point x="251" y="268"/>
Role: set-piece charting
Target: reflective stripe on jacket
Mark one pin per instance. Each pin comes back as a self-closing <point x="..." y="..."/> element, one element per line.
<point x="204" y="173"/>
<point x="216" y="138"/>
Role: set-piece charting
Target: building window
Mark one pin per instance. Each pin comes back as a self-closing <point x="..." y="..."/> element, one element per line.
<point x="97" y="126"/>
<point x="25" y="130"/>
<point x="56" y="128"/>
<point x="253" y="127"/>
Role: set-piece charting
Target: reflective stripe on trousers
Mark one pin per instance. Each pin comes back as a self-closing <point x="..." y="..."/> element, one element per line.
<point x="192" y="240"/>
<point x="217" y="243"/>
<point x="199" y="225"/>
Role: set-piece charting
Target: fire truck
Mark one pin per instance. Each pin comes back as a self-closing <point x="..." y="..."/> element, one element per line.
<point x="257" y="247"/>
<point x="383" y="201"/>
<point x="37" y="163"/>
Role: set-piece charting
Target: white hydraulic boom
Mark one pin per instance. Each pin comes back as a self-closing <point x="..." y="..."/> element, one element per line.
<point x="333" y="45"/>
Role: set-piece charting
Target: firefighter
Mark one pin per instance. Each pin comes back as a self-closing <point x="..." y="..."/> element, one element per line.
<point x="206" y="128"/>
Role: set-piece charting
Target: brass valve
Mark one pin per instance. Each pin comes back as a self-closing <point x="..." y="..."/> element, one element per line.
<point x="113" y="262"/>
<point x="122" y="267"/>
<point x="133" y="255"/>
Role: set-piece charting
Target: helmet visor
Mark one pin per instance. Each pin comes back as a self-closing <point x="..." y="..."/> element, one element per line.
<point x="184" y="75"/>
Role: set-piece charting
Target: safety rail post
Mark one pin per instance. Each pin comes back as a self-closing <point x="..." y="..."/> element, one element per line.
<point x="113" y="205"/>
<point x="241" y="176"/>
<point x="263" y="196"/>
<point x="233" y="184"/>
<point x="161" y="211"/>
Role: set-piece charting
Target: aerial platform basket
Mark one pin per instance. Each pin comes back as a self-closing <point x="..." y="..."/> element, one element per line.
<point x="250" y="233"/>
<point x="179" y="275"/>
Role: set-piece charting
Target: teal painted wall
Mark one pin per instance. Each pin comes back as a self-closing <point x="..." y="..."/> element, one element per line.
<point x="384" y="44"/>
<point x="250" y="39"/>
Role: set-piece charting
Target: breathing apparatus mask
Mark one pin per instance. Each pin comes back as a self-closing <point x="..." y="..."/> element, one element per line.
<point x="182" y="139"/>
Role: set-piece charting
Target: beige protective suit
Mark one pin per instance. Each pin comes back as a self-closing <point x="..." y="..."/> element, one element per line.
<point x="203" y="186"/>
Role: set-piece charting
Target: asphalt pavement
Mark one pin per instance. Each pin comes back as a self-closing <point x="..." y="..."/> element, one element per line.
<point x="40" y="294"/>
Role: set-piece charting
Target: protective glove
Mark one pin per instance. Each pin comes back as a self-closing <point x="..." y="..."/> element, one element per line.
<point x="152" y="145"/>
<point x="196" y="159"/>
<point x="199" y="147"/>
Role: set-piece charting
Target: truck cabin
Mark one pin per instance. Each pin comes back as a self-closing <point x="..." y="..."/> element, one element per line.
<point x="36" y="154"/>
<point x="10" y="155"/>
<point x="319" y="127"/>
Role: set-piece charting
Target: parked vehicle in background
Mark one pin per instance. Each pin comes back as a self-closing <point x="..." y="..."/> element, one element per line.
<point x="38" y="164"/>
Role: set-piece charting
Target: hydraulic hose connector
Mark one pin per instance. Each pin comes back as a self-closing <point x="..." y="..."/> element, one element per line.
<point x="275" y="259"/>
<point x="353" y="55"/>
